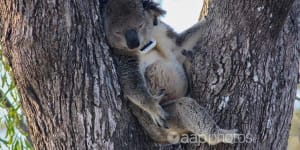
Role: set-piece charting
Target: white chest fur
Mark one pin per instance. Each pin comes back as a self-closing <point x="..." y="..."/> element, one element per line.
<point x="163" y="72"/>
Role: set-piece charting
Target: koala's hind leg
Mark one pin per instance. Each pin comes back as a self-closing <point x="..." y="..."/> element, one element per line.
<point x="197" y="120"/>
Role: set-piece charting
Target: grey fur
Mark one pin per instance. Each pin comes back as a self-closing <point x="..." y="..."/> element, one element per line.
<point x="182" y="38"/>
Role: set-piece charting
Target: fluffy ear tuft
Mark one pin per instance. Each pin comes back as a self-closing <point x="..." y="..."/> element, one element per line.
<point x="153" y="7"/>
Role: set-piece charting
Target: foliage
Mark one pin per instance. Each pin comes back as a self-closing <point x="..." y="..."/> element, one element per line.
<point x="13" y="133"/>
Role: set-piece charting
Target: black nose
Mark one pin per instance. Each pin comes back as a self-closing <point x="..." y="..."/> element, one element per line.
<point x="132" y="39"/>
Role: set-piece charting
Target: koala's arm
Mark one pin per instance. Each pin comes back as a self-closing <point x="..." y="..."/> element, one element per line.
<point x="189" y="38"/>
<point x="168" y="39"/>
<point x="134" y="88"/>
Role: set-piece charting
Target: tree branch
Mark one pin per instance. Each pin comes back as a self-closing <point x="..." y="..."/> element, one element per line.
<point x="204" y="10"/>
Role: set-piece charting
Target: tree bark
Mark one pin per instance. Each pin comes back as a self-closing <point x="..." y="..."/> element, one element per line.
<point x="246" y="69"/>
<point x="243" y="72"/>
<point x="66" y="76"/>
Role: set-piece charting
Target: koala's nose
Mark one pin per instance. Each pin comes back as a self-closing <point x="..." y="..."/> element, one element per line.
<point x="132" y="39"/>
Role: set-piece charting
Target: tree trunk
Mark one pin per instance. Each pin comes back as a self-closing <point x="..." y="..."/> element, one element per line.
<point x="243" y="73"/>
<point x="246" y="70"/>
<point x="66" y="76"/>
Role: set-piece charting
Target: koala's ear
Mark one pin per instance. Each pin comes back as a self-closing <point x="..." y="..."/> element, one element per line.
<point x="154" y="9"/>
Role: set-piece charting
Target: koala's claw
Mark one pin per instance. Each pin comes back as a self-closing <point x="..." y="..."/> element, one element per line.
<point x="161" y="122"/>
<point x="188" y="53"/>
<point x="159" y="116"/>
<point x="161" y="93"/>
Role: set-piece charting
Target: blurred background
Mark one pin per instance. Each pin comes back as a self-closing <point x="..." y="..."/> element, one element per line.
<point x="181" y="14"/>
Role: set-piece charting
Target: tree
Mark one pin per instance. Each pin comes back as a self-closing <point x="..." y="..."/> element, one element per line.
<point x="246" y="69"/>
<point x="244" y="72"/>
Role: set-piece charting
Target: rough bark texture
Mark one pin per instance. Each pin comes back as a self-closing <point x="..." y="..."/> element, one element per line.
<point x="66" y="76"/>
<point x="246" y="70"/>
<point x="63" y="69"/>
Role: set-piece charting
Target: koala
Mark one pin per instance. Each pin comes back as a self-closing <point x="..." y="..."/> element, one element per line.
<point x="152" y="72"/>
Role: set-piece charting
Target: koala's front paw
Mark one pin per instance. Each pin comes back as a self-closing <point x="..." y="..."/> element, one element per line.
<point x="157" y="113"/>
<point x="189" y="54"/>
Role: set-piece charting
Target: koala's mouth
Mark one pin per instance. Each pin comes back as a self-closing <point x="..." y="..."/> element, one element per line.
<point x="150" y="45"/>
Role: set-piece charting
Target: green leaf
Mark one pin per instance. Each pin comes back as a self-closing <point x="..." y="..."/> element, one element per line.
<point x="3" y="141"/>
<point x="6" y="67"/>
<point x="4" y="80"/>
<point x="28" y="145"/>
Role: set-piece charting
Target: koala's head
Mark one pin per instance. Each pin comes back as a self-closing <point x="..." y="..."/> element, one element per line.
<point x="129" y="23"/>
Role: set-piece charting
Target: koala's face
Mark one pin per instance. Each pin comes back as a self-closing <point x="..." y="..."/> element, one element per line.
<point x="129" y="24"/>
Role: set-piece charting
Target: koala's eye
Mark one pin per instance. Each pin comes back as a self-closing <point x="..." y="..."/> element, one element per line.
<point x="118" y="33"/>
